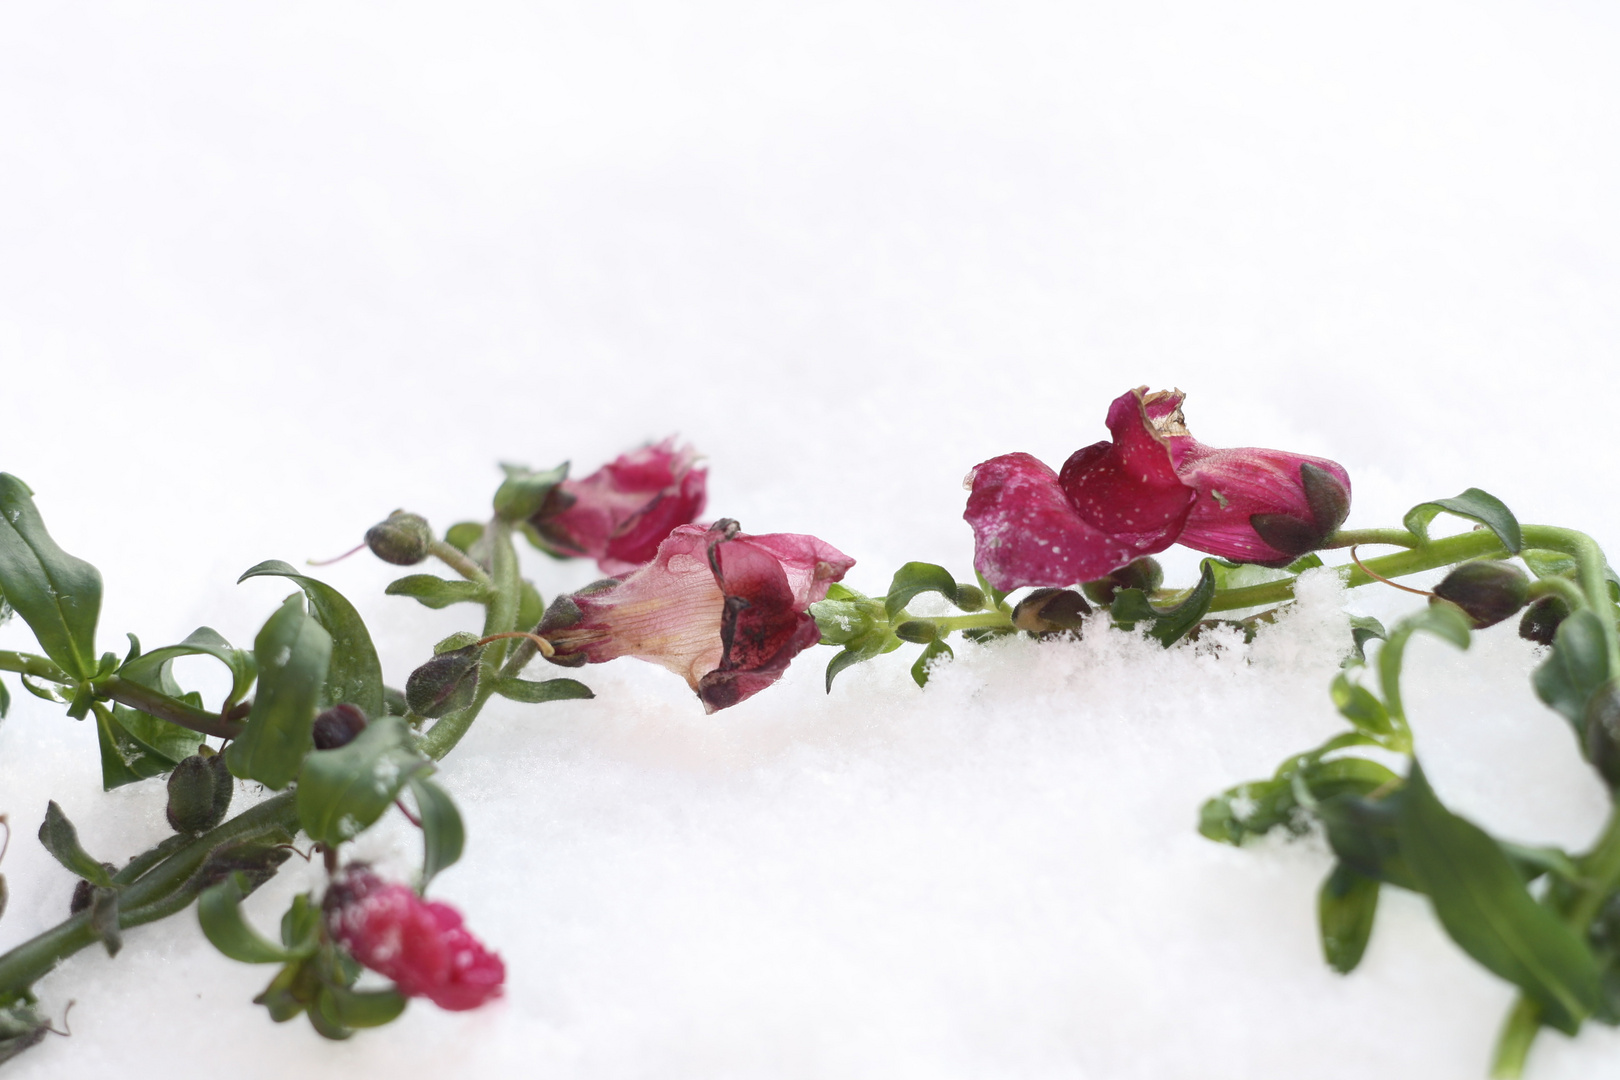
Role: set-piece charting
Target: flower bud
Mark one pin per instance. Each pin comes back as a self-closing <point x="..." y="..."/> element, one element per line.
<point x="1048" y="610"/>
<point x="338" y="726"/>
<point x="917" y="631"/>
<point x="969" y="597"/>
<point x="445" y="683"/>
<point x="1602" y="733"/>
<point x="403" y="539"/>
<point x="1487" y="592"/>
<point x="200" y="789"/>
<point x="1144" y="573"/>
<point x="1542" y="618"/>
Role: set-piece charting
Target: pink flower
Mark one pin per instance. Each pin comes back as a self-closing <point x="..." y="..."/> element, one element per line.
<point x="724" y="610"/>
<point x="620" y="513"/>
<point x="419" y="944"/>
<point x="1152" y="485"/>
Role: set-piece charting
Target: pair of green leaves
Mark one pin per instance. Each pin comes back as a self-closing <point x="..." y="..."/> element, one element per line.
<point x="865" y="626"/>
<point x="306" y="661"/>
<point x="1166" y="625"/>
<point x="316" y="978"/>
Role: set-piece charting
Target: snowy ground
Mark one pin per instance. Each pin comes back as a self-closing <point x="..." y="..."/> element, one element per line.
<point x="266" y="274"/>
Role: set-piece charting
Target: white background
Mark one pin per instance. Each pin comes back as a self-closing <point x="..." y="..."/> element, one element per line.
<point x="269" y="271"/>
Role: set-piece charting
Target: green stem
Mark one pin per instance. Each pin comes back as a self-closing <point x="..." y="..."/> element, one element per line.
<point x="163" y="707"/>
<point x="500" y="616"/>
<point x="1561" y="587"/>
<point x="459" y="561"/>
<point x="994" y="619"/>
<point x="1513" y="1044"/>
<point x="1590" y="568"/>
<point x="444" y="735"/>
<point x="1430" y="556"/>
<point x="149" y="898"/>
<point x="1351" y="537"/>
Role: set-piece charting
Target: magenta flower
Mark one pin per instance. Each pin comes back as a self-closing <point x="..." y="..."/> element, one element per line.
<point x="619" y="514"/>
<point x="419" y="944"/>
<point x="1151" y="486"/>
<point x="724" y="610"/>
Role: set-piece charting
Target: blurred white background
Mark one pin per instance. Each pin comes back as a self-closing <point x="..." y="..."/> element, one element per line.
<point x="269" y="271"/>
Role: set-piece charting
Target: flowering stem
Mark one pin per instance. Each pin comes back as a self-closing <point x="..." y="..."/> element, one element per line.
<point x="994" y="619"/>
<point x="445" y="734"/>
<point x="166" y="888"/>
<point x="1352" y="537"/>
<point x="457" y="560"/>
<point x="1513" y="1044"/>
<point x="37" y="666"/>
<point x="1561" y="587"/>
<point x="164" y="707"/>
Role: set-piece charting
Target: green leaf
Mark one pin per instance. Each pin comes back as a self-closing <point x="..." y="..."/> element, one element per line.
<point x="1546" y="564"/>
<point x="61" y="839"/>
<point x="293" y="652"/>
<point x="1577" y="668"/>
<point x="1363" y="628"/>
<point x="5" y="700"/>
<point x="355" y="674"/>
<point x="874" y="643"/>
<point x="219" y="911"/>
<point x="361" y="1008"/>
<point x="437" y="592"/>
<point x="915" y="578"/>
<point x="1363" y="833"/>
<point x="1482" y="902"/>
<point x="342" y="791"/>
<point x="1345" y="908"/>
<point x="58" y="596"/>
<point x="1358" y="705"/>
<point x="1169" y="625"/>
<point x="464" y="534"/>
<point x="1443" y="621"/>
<point x="923" y="666"/>
<point x="531" y="606"/>
<point x="443" y="834"/>
<point x="1475" y="505"/>
<point x="153" y="669"/>
<point x="524" y="490"/>
<point x="997" y="597"/>
<point x="534" y="693"/>
<point x="301" y="924"/>
<point x="123" y="760"/>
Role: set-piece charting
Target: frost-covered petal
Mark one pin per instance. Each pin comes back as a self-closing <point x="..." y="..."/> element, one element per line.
<point x="619" y="514"/>
<point x="1026" y="532"/>
<point x="1129" y="487"/>
<point x="1261" y="506"/>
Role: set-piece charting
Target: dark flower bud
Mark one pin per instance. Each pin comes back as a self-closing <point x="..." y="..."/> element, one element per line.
<point x="403" y="539"/>
<point x="918" y="631"/>
<point x="1542" y="618"/>
<point x="1487" y="592"/>
<point x="338" y="726"/>
<point x="1145" y="574"/>
<point x="969" y="597"/>
<point x="200" y="789"/>
<point x="84" y="892"/>
<point x="1602" y="734"/>
<point x="445" y="683"/>
<point x="1048" y="610"/>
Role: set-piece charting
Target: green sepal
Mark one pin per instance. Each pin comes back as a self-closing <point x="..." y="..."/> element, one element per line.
<point x="219" y="912"/>
<point x="57" y="595"/>
<point x="354" y="674"/>
<point x="61" y="839"/>
<point x="1345" y="908"/>
<point x="443" y="833"/>
<point x="524" y="490"/>
<point x="104" y="922"/>
<point x="923" y="666"/>
<point x="531" y="692"/>
<point x="437" y="592"/>
<point x="342" y="791"/>
<point x="1475" y="505"/>
<point x="915" y="578"/>
<point x="293" y="652"/>
<point x="1481" y="900"/>
<point x="1168" y="625"/>
<point x="1576" y="670"/>
<point x="360" y="1008"/>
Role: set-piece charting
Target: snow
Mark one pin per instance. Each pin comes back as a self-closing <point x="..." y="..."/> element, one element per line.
<point x="268" y="274"/>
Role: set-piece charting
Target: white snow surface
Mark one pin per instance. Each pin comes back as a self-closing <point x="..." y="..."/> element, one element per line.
<point x="269" y="272"/>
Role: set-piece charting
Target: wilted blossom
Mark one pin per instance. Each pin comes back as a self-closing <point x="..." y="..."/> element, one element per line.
<point x="420" y="944"/>
<point x="724" y="610"/>
<point x="619" y="514"/>
<point x="1148" y="487"/>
